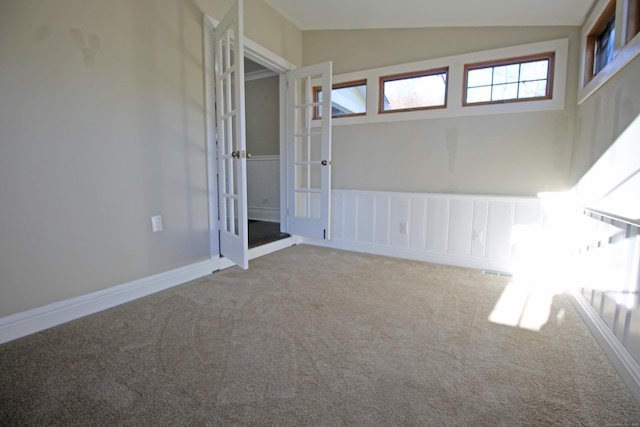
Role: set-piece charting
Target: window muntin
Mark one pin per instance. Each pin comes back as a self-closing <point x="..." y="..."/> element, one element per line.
<point x="510" y="80"/>
<point x="421" y="90"/>
<point x="348" y="99"/>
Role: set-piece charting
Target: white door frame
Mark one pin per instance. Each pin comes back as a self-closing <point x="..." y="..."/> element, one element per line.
<point x="272" y="61"/>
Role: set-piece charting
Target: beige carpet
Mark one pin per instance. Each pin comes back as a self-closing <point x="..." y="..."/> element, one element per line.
<point x="313" y="336"/>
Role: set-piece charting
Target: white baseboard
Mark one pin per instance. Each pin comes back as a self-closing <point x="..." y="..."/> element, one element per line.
<point x="28" y="322"/>
<point x="479" y="263"/>
<point x="618" y="355"/>
<point x="263" y="214"/>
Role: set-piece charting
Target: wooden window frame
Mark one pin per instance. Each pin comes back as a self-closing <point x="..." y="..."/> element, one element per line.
<point x="352" y="83"/>
<point x="633" y="20"/>
<point x="412" y="74"/>
<point x="550" y="56"/>
<point x="602" y="21"/>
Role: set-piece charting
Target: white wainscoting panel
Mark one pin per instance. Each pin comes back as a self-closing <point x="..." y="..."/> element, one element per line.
<point x="263" y="188"/>
<point x="469" y="231"/>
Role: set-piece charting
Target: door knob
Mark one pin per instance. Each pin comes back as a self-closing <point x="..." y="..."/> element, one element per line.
<point x="324" y="163"/>
<point x="235" y="154"/>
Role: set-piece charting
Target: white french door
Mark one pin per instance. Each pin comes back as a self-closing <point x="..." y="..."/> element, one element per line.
<point x="230" y="126"/>
<point x="309" y="151"/>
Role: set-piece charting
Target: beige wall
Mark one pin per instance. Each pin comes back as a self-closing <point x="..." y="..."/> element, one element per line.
<point x="604" y="116"/>
<point x="101" y="127"/>
<point x="263" y="116"/>
<point x="508" y="154"/>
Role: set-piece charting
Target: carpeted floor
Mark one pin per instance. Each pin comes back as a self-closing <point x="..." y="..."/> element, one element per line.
<point x="314" y="336"/>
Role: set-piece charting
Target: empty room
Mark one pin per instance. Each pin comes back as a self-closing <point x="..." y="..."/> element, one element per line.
<point x="296" y="212"/>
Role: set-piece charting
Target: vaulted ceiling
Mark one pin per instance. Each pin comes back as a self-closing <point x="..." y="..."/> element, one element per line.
<point x="361" y="14"/>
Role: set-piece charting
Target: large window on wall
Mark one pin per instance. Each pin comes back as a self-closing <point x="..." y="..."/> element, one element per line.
<point x="348" y="99"/>
<point x="526" y="78"/>
<point x="420" y="90"/>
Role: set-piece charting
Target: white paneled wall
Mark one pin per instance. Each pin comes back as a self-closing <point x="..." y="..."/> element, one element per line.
<point x="469" y="231"/>
<point x="263" y="188"/>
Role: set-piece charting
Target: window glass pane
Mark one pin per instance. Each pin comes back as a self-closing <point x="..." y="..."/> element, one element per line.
<point x="415" y="92"/>
<point x="604" y="46"/>
<point x="480" y="77"/>
<point x="505" y="91"/>
<point x="479" y="94"/>
<point x="506" y="74"/>
<point x="536" y="70"/>
<point x="533" y="89"/>
<point x="346" y="101"/>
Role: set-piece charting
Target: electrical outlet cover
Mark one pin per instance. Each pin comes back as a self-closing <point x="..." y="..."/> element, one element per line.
<point x="156" y="223"/>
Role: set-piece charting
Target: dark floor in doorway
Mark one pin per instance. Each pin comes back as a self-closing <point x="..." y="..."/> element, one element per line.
<point x="263" y="232"/>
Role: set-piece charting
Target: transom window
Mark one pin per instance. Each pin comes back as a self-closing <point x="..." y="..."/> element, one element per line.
<point x="509" y="80"/>
<point x="419" y="90"/>
<point x="348" y="99"/>
<point x="601" y="42"/>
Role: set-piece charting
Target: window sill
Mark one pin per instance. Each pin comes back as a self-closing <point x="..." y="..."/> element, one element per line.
<point x="622" y="58"/>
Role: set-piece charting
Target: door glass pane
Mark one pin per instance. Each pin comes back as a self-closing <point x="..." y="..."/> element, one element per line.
<point x="302" y="205"/>
<point x="232" y="99"/>
<point x="231" y="215"/>
<point x="315" y="205"/>
<point x="302" y="177"/>
<point x="302" y="149"/>
<point x="302" y="120"/>
<point x="316" y="176"/>
<point x="316" y="148"/>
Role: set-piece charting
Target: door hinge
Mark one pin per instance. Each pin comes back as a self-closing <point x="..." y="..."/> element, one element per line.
<point x="324" y="234"/>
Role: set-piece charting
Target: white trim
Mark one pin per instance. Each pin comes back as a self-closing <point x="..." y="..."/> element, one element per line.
<point x="619" y="61"/>
<point x="437" y="227"/>
<point x="618" y="355"/>
<point x="260" y="74"/>
<point x="38" y="319"/>
<point x="264" y="214"/>
<point x="263" y="250"/>
<point x="623" y="54"/>
<point x="208" y="26"/>
<point x="455" y="81"/>
<point x="28" y="322"/>
<point x="478" y="263"/>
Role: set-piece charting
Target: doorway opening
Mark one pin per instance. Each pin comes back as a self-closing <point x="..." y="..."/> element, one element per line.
<point x="262" y="121"/>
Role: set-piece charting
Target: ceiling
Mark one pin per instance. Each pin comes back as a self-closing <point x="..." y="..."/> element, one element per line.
<point x="362" y="14"/>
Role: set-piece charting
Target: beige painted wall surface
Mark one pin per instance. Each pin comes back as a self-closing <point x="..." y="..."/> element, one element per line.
<point x="604" y="116"/>
<point x="101" y="127"/>
<point x="263" y="25"/>
<point x="508" y="154"/>
<point x="263" y="116"/>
